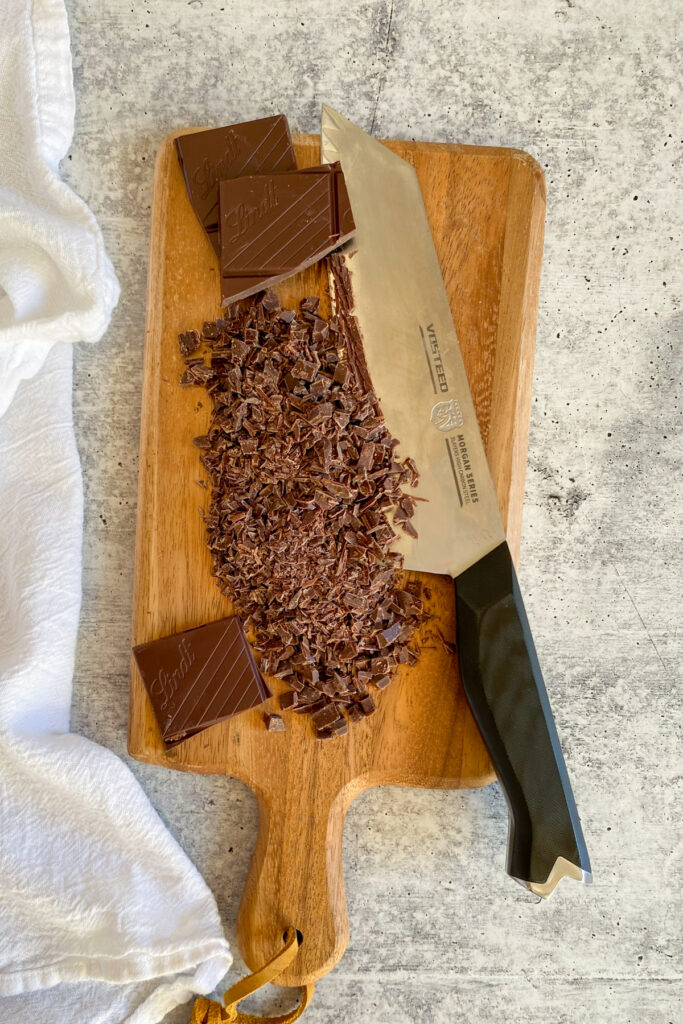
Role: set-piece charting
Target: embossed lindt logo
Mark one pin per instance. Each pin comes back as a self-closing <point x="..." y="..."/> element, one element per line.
<point x="166" y="683"/>
<point x="240" y="218"/>
<point x="208" y="174"/>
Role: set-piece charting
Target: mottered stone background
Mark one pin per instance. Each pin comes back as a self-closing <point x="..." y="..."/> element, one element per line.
<point x="438" y="931"/>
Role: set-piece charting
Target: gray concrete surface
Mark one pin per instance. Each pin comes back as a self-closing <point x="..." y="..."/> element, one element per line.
<point x="438" y="932"/>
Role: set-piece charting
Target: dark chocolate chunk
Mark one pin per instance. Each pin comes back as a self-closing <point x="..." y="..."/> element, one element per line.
<point x="274" y="723"/>
<point x="210" y="329"/>
<point x="391" y="633"/>
<point x="339" y="727"/>
<point x="189" y="342"/>
<point x="209" y="157"/>
<point x="327" y="714"/>
<point x="367" y="705"/>
<point x="274" y="225"/>
<point x="288" y="700"/>
<point x="311" y="707"/>
<point x="200" y="677"/>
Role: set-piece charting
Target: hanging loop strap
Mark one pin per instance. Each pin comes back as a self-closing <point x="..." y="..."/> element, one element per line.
<point x="205" y="1011"/>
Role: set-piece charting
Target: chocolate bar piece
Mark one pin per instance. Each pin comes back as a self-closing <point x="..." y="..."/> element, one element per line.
<point x="274" y="723"/>
<point x="207" y="158"/>
<point x="200" y="677"/>
<point x="274" y="225"/>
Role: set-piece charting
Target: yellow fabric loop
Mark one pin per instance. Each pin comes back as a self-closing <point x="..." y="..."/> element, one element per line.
<point x="205" y="1011"/>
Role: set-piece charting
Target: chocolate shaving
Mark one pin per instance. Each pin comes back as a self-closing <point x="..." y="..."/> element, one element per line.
<point x="304" y="478"/>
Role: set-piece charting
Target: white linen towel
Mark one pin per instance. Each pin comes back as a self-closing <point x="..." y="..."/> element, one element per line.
<point x="102" y="916"/>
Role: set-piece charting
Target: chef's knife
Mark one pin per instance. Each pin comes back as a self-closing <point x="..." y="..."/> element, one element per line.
<point x="416" y="367"/>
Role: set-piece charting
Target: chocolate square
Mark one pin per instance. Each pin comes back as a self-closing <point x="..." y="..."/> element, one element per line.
<point x="209" y="157"/>
<point x="200" y="677"/>
<point x="274" y="225"/>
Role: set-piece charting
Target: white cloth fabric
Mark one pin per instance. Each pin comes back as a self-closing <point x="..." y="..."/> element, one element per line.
<point x="102" y="916"/>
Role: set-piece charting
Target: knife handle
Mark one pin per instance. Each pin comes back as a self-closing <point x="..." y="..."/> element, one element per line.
<point x="504" y="687"/>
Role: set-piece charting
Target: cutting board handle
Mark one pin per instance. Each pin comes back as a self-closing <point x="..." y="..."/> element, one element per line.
<point x="296" y="878"/>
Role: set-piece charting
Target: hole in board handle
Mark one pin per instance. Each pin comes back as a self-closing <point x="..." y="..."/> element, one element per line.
<point x="299" y="937"/>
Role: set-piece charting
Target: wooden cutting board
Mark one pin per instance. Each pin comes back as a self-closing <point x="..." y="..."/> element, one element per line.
<point x="486" y="208"/>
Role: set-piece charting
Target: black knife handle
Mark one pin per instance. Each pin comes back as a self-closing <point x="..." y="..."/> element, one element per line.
<point x="505" y="689"/>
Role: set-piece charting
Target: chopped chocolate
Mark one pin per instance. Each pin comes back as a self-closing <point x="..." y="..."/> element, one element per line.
<point x="200" y="677"/>
<point x="189" y="342"/>
<point x="303" y="482"/>
<point x="391" y="633"/>
<point x="323" y="718"/>
<point x="367" y="705"/>
<point x="339" y="727"/>
<point x="304" y="370"/>
<point x="209" y="157"/>
<point x="311" y="707"/>
<point x="308" y="694"/>
<point x="274" y="225"/>
<point x="349" y="329"/>
<point x="274" y="723"/>
<point x="211" y="330"/>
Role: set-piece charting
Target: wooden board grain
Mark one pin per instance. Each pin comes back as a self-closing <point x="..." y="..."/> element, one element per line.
<point x="486" y="209"/>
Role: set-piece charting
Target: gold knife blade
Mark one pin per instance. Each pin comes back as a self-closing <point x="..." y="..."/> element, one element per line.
<point x="412" y="353"/>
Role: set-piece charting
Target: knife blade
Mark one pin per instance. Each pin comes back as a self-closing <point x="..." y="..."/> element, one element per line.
<point x="399" y="299"/>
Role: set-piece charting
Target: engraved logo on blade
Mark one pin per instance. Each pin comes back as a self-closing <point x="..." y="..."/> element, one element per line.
<point x="447" y="415"/>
